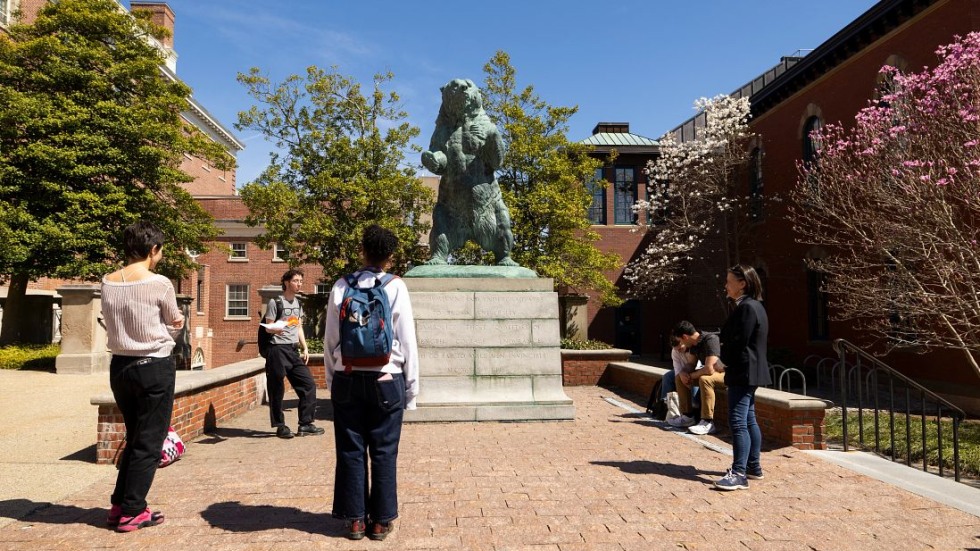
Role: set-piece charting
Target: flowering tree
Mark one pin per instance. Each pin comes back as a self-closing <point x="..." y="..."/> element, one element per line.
<point x="692" y="197"/>
<point x="894" y="202"/>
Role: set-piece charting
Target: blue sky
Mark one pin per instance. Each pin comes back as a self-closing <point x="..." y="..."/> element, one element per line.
<point x="639" y="61"/>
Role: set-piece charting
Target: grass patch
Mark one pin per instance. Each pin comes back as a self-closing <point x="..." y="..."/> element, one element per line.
<point x="39" y="357"/>
<point x="969" y="439"/>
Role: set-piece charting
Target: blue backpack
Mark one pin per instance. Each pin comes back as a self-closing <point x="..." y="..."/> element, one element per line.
<point x="365" y="324"/>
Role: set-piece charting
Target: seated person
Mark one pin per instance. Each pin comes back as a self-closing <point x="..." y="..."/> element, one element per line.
<point x="681" y="359"/>
<point x="707" y="349"/>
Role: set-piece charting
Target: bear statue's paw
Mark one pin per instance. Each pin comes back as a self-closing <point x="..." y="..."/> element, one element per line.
<point x="436" y="262"/>
<point x="507" y="261"/>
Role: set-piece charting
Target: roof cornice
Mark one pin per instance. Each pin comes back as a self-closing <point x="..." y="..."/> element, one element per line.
<point x="879" y="20"/>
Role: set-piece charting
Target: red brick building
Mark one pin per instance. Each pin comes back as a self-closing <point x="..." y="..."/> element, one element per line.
<point x="830" y="84"/>
<point x="224" y="294"/>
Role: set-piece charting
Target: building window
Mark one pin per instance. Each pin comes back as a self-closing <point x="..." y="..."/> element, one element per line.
<point x="597" y="211"/>
<point x="5" y="9"/>
<point x="322" y="288"/>
<point x="756" y="199"/>
<point x="811" y="149"/>
<point x="625" y="198"/>
<point x="236" y="305"/>
<point x="817" y="312"/>
<point x="279" y="253"/>
<point x="200" y="293"/>
<point x="239" y="251"/>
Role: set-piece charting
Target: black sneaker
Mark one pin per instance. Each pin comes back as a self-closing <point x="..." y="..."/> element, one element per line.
<point x="309" y="429"/>
<point x="755" y="474"/>
<point x="284" y="432"/>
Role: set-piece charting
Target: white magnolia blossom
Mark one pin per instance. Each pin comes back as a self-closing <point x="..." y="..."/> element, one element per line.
<point x="689" y="185"/>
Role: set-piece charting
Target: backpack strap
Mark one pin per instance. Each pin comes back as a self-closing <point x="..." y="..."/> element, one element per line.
<point x="280" y="308"/>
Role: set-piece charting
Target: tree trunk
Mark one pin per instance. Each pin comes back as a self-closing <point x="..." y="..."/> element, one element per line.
<point x="13" y="309"/>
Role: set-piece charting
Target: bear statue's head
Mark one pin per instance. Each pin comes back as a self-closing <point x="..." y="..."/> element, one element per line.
<point x="461" y="97"/>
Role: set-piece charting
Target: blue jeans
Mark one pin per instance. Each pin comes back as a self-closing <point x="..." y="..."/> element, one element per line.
<point x="746" y="435"/>
<point x="144" y="392"/>
<point x="367" y="416"/>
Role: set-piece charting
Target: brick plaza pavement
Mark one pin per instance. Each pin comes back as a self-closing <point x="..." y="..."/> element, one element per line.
<point x="608" y="480"/>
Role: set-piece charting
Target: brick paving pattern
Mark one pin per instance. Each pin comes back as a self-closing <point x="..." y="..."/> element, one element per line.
<point x="608" y="480"/>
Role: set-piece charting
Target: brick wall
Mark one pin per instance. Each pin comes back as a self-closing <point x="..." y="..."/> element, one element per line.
<point x="196" y="410"/>
<point x="585" y="367"/>
<point x="784" y="418"/>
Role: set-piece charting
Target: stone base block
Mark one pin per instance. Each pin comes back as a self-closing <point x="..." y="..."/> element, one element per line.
<point x="82" y="364"/>
<point x="488" y="350"/>
<point x="492" y="412"/>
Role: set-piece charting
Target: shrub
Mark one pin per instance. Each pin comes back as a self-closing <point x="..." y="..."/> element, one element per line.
<point x="315" y="346"/>
<point x="29" y="356"/>
<point x="571" y="344"/>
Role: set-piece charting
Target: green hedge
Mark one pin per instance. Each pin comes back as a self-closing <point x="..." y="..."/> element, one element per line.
<point x="570" y="344"/>
<point x="29" y="356"/>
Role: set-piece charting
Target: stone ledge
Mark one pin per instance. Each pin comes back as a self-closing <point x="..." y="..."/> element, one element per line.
<point x="189" y="381"/>
<point x="596" y="354"/>
<point x="786" y="418"/>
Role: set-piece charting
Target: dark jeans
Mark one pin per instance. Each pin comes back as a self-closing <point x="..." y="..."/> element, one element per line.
<point x="284" y="362"/>
<point x="144" y="392"/>
<point x="367" y="422"/>
<point x="746" y="435"/>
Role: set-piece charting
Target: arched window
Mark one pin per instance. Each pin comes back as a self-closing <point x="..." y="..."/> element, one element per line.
<point x="811" y="149"/>
<point x="756" y="198"/>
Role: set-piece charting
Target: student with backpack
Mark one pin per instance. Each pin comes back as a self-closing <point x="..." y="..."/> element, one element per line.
<point x="282" y="361"/>
<point x="372" y="368"/>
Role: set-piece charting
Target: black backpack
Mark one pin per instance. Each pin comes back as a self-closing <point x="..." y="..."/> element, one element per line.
<point x="264" y="337"/>
<point x="656" y="408"/>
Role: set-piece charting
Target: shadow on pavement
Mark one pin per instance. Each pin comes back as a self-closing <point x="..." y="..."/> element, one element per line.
<point x="220" y="434"/>
<point x="51" y="513"/>
<point x="85" y="455"/>
<point x="670" y="470"/>
<point x="235" y="517"/>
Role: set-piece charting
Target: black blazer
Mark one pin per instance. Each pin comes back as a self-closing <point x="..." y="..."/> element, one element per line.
<point x="743" y="345"/>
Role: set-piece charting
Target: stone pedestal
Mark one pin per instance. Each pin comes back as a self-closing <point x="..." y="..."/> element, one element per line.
<point x="575" y="317"/>
<point x="488" y="350"/>
<point x="83" y="336"/>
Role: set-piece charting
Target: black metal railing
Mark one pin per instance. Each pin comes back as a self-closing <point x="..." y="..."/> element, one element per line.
<point x="868" y="384"/>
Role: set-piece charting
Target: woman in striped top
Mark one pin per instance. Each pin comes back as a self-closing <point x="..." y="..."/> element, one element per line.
<point x="142" y="318"/>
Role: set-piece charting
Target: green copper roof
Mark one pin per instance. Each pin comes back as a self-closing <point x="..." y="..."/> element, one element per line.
<point x="618" y="139"/>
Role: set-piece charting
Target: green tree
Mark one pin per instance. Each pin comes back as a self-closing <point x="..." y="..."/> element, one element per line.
<point x="339" y="167"/>
<point x="544" y="179"/>
<point x="91" y="140"/>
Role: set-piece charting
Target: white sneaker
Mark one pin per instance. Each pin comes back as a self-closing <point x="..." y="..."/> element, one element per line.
<point x="704" y="427"/>
<point x="682" y="421"/>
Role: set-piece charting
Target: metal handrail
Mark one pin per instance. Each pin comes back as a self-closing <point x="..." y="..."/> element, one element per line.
<point x="843" y="347"/>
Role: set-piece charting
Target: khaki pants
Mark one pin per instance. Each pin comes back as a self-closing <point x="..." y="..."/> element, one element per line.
<point x="707" y="385"/>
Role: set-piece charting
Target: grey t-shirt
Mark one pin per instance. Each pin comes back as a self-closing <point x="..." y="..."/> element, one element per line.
<point x="292" y="314"/>
<point x="708" y="345"/>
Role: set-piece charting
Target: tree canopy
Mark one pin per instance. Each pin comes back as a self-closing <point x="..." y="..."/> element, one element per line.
<point x="543" y="180"/>
<point x="91" y="140"/>
<point x="891" y="205"/>
<point x="339" y="166"/>
<point x="693" y="199"/>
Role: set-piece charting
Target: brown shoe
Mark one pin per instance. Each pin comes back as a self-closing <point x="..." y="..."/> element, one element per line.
<point x="356" y="529"/>
<point x="380" y="530"/>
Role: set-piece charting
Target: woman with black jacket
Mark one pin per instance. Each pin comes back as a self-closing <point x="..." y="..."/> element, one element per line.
<point x="743" y="352"/>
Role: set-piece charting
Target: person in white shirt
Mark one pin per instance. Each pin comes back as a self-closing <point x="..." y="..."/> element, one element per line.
<point x="141" y="319"/>
<point x="369" y="402"/>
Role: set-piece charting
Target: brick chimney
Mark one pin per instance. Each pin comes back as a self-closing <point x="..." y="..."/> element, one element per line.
<point x="162" y="16"/>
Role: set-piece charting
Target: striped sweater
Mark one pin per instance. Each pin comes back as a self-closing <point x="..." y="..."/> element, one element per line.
<point x="138" y="316"/>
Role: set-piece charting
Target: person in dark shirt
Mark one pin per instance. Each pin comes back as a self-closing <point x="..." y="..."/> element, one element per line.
<point x="707" y="349"/>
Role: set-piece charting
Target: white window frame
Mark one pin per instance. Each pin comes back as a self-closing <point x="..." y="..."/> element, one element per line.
<point x="240" y="290"/>
<point x="323" y="288"/>
<point x="279" y="253"/>
<point x="232" y="256"/>
<point x="6" y="9"/>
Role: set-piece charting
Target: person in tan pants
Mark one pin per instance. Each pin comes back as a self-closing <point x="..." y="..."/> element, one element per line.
<point x="707" y="348"/>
